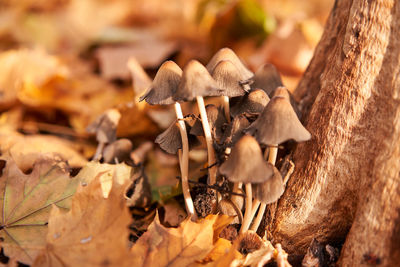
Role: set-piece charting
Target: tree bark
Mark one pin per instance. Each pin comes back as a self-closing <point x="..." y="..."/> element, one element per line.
<point x="346" y="183"/>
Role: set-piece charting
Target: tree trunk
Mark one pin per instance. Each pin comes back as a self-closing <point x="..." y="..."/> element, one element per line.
<point x="345" y="186"/>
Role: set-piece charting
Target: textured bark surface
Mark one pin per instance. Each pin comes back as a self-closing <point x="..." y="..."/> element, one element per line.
<point x="347" y="178"/>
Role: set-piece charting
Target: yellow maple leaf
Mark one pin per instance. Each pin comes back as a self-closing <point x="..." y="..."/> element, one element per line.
<point x="26" y="203"/>
<point x="93" y="233"/>
<point x="182" y="246"/>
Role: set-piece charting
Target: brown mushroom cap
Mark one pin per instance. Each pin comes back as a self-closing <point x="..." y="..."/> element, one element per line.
<point x="105" y="126"/>
<point x="119" y="149"/>
<point x="196" y="81"/>
<point x="234" y="131"/>
<point x="170" y="140"/>
<point x="267" y="78"/>
<point x="271" y="190"/>
<point x="164" y="85"/>
<point x="216" y="120"/>
<point x="278" y="123"/>
<point x="228" y="54"/>
<point x="226" y="207"/>
<point x="228" y="78"/>
<point x="252" y="103"/>
<point x="246" y="163"/>
<point x="284" y="92"/>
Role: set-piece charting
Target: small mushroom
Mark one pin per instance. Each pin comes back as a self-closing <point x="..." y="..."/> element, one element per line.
<point x="228" y="54"/>
<point x="246" y="165"/>
<point x="196" y="82"/>
<point x="170" y="140"/>
<point x="164" y="85"/>
<point x="267" y="78"/>
<point x="105" y="127"/>
<point x="228" y="78"/>
<point x="227" y="207"/>
<point x="216" y="121"/>
<point x="251" y="104"/>
<point x="234" y="131"/>
<point x="284" y="92"/>
<point x="117" y="151"/>
<point x="266" y="193"/>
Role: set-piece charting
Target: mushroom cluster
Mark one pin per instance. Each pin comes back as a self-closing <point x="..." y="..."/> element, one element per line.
<point x="242" y="141"/>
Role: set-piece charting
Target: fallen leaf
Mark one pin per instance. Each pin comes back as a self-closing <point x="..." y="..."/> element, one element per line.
<point x="174" y="214"/>
<point x="26" y="67"/>
<point x="107" y="175"/>
<point x="190" y="242"/>
<point x="93" y="233"/>
<point x="26" y="205"/>
<point x="26" y="149"/>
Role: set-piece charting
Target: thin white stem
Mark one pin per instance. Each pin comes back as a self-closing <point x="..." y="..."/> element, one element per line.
<point x="212" y="171"/>
<point x="236" y="189"/>
<point x="184" y="163"/>
<point x="225" y="100"/>
<point x="99" y="152"/>
<point x="273" y="152"/>
<point x="247" y="214"/>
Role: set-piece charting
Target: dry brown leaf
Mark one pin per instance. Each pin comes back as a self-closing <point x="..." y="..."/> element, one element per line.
<point x="181" y="246"/>
<point x="25" y="67"/>
<point x="25" y="150"/>
<point x="26" y="205"/>
<point x="93" y="233"/>
<point x="108" y="174"/>
<point x="174" y="214"/>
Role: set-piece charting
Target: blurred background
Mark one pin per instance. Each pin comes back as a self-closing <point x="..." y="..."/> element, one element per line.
<point x="64" y="62"/>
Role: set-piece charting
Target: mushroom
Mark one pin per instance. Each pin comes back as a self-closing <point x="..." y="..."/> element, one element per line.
<point x="284" y="92"/>
<point x="251" y="104"/>
<point x="266" y="193"/>
<point x="164" y="85"/>
<point x="105" y="127"/>
<point x="234" y="130"/>
<point x="228" y="207"/>
<point x="277" y="123"/>
<point x="117" y="151"/>
<point x="246" y="165"/>
<point x="267" y="78"/>
<point x="228" y="78"/>
<point x="196" y="83"/>
<point x="216" y="120"/>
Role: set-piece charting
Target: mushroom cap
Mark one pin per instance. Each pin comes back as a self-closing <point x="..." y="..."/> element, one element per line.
<point x="278" y="123"/>
<point x="284" y="92"/>
<point x="234" y="131"/>
<point x="119" y="149"/>
<point x="246" y="163"/>
<point x="267" y="78"/>
<point x="196" y="81"/>
<point x="164" y="85"/>
<point x="228" y="78"/>
<point x="228" y="54"/>
<point x="105" y="126"/>
<point x="216" y="120"/>
<point x="252" y="103"/>
<point x="271" y="190"/>
<point x="170" y="140"/>
<point x="226" y="207"/>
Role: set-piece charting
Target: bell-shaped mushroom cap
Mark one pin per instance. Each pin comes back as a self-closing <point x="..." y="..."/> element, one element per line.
<point x="228" y="54"/>
<point x="105" y="126"/>
<point x="246" y="163"/>
<point x="170" y="140"/>
<point x="284" y="92"/>
<point x="226" y="207"/>
<point x="164" y="85"/>
<point x="228" y="78"/>
<point x="252" y="103"/>
<point x="267" y="78"/>
<point x="216" y="120"/>
<point x="271" y="190"/>
<point x="234" y="131"/>
<point x="196" y="81"/>
<point x="119" y="149"/>
<point x="278" y="123"/>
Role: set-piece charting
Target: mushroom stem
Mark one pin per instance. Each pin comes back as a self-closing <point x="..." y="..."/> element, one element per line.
<point x="212" y="171"/>
<point x="99" y="150"/>
<point x="225" y="101"/>
<point x="247" y="214"/>
<point x="184" y="163"/>
<point x="236" y="189"/>
<point x="273" y="152"/>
